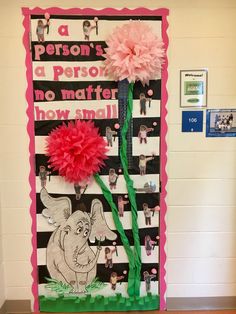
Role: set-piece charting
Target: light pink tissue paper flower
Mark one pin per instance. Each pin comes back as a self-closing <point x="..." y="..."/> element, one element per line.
<point x="135" y="53"/>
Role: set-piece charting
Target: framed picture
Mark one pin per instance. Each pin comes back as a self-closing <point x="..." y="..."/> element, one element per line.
<point x="193" y="88"/>
<point x="221" y="122"/>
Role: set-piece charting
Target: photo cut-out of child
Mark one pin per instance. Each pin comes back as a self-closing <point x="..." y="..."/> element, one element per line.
<point x="108" y="257"/>
<point x="40" y="30"/>
<point x="110" y="136"/>
<point x="143" y="132"/>
<point x="112" y="178"/>
<point x="88" y="27"/>
<point x="148" y="212"/>
<point x="121" y="205"/>
<point x="143" y="163"/>
<point x="114" y="279"/>
<point x="147" y="278"/>
<point x="43" y="173"/>
<point x="149" y="245"/>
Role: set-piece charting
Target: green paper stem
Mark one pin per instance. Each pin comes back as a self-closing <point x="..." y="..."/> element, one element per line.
<point x="132" y="269"/>
<point x="131" y="192"/>
<point x="134" y="257"/>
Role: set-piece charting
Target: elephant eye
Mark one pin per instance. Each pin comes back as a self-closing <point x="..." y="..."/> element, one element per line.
<point x="86" y="233"/>
<point x="79" y="230"/>
<point x="67" y="229"/>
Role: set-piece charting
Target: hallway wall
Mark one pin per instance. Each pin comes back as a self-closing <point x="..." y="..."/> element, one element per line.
<point x="201" y="198"/>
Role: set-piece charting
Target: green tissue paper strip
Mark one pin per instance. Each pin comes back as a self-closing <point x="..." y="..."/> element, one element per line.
<point x="98" y="304"/>
<point x="108" y="196"/>
<point x="134" y="257"/>
<point x="131" y="193"/>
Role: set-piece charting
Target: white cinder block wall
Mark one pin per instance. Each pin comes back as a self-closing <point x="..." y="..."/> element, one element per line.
<point x="202" y="172"/>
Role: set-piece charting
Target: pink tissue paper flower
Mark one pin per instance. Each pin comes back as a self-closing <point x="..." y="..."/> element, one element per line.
<point x="77" y="150"/>
<point x="135" y="53"/>
<point x="47" y="16"/>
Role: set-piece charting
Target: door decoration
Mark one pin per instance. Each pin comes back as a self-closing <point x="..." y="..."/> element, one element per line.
<point x="96" y="106"/>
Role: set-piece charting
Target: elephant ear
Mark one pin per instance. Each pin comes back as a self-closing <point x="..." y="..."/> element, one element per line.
<point x="100" y="229"/>
<point x="57" y="210"/>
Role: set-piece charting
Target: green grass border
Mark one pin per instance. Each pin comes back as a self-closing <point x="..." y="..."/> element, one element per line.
<point x="98" y="303"/>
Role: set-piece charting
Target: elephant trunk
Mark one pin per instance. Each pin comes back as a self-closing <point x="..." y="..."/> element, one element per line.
<point x="80" y="260"/>
<point x="79" y="267"/>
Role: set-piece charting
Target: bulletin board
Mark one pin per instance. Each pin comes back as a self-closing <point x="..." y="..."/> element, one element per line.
<point x="92" y="251"/>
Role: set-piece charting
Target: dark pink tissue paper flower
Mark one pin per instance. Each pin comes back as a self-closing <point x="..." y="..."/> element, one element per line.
<point x="77" y="150"/>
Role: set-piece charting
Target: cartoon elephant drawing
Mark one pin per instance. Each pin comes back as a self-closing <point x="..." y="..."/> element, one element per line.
<point x="69" y="256"/>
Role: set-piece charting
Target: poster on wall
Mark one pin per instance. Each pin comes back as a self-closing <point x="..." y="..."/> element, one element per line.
<point x="221" y="123"/>
<point x="193" y="88"/>
<point x="96" y="109"/>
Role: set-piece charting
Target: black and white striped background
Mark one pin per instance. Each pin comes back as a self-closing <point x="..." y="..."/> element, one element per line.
<point x="57" y="186"/>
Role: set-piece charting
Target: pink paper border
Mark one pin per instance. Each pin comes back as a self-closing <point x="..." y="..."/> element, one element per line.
<point x="30" y="128"/>
<point x="163" y="174"/>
